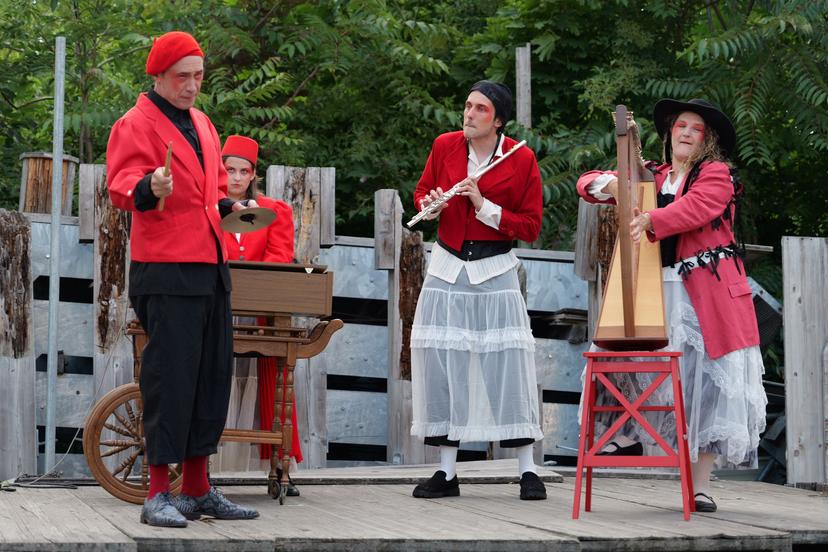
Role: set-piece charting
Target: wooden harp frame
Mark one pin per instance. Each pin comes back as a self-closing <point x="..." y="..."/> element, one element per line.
<point x="632" y="311"/>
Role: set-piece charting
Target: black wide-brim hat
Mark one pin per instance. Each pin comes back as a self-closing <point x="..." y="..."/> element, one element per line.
<point x="711" y="114"/>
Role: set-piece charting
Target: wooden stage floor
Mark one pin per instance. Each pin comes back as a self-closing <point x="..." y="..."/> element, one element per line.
<point x="372" y="509"/>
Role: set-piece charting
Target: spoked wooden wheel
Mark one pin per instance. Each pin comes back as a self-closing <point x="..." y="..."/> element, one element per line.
<point x="113" y="443"/>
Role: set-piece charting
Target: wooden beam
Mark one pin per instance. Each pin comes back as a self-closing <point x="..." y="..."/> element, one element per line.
<point x="386" y="229"/>
<point x="402" y="447"/>
<point x="327" y="202"/>
<point x="523" y="70"/>
<point x="804" y="265"/>
<point x="18" y="434"/>
<point x="86" y="202"/>
<point x="112" y="355"/>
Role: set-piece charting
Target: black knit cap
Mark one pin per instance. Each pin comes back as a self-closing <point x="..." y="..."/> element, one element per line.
<point x="500" y="96"/>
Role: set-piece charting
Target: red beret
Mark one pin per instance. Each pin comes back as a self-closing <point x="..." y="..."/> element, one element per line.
<point x="241" y="146"/>
<point x="168" y="48"/>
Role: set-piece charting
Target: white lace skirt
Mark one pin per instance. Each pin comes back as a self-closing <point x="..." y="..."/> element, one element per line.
<point x="472" y="361"/>
<point x="724" y="399"/>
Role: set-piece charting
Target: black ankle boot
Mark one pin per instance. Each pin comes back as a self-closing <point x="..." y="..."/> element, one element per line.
<point x="438" y="487"/>
<point x="531" y="487"/>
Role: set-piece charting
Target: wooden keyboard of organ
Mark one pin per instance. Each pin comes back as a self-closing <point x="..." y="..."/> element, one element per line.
<point x="632" y="313"/>
<point x="276" y="291"/>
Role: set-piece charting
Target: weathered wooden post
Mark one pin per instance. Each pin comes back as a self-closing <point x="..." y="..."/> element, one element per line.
<point x="112" y="360"/>
<point x="804" y="264"/>
<point x="310" y="192"/>
<point x="594" y="242"/>
<point x="18" y="433"/>
<point x="36" y="183"/>
<point x="401" y="253"/>
<point x="523" y="71"/>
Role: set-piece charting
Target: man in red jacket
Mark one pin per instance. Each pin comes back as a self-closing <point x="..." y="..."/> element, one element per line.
<point x="178" y="278"/>
<point x="473" y="370"/>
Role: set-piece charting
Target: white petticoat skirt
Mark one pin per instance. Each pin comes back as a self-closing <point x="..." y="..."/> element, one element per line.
<point x="472" y="361"/>
<point x="724" y="399"/>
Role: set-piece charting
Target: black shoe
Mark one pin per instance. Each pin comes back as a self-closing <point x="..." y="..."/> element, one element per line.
<point x="531" y="487"/>
<point x="159" y="511"/>
<point x="291" y="489"/>
<point x="706" y="504"/>
<point x="635" y="449"/>
<point x="438" y="487"/>
<point x="214" y="504"/>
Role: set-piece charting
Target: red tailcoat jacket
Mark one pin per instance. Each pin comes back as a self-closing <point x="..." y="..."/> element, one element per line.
<point x="514" y="185"/>
<point x="724" y="307"/>
<point x="187" y="229"/>
<point x="273" y="244"/>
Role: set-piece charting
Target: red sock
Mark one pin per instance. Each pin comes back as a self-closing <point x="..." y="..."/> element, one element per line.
<point x="159" y="480"/>
<point x="195" y="481"/>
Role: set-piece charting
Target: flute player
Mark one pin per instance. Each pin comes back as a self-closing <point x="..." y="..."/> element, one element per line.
<point x="473" y="371"/>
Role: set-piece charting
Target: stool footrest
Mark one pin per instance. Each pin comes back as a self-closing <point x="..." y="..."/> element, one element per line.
<point x="640" y="409"/>
<point x="631" y="462"/>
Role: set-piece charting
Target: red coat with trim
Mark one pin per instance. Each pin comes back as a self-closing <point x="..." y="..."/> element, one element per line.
<point x="724" y="307"/>
<point x="514" y="185"/>
<point x="273" y="244"/>
<point x="187" y="228"/>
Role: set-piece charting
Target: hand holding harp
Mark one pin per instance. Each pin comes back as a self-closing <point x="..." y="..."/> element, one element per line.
<point x="440" y="201"/>
<point x="160" y="205"/>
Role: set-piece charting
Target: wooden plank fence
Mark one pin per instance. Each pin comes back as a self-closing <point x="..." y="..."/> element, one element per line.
<point x="804" y="264"/>
<point x="18" y="435"/>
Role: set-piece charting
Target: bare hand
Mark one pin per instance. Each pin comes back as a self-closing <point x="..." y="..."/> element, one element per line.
<point x="469" y="189"/>
<point x="239" y="205"/>
<point x="161" y="185"/>
<point x="641" y="223"/>
<point x="428" y="198"/>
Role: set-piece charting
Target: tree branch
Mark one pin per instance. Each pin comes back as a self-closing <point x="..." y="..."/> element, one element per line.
<point x="36" y="100"/>
<point x="264" y="18"/>
<point x="296" y="92"/>
<point x="113" y="58"/>
<point x="302" y="85"/>
<point x="715" y="5"/>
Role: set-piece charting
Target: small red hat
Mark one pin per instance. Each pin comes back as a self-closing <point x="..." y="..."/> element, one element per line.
<point x="241" y="146"/>
<point x="168" y="49"/>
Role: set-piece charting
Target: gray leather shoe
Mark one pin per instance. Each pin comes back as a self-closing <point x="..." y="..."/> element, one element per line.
<point x="212" y="504"/>
<point x="160" y="512"/>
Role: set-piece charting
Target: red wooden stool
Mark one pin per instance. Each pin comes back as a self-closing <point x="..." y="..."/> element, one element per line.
<point x="599" y="365"/>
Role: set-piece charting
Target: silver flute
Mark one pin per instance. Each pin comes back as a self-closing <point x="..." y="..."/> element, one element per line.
<point x="437" y="203"/>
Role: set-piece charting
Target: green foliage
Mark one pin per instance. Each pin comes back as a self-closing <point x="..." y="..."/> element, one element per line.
<point x="366" y="85"/>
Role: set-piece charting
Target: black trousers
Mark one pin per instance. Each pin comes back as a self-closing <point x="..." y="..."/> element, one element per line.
<point x="443" y="441"/>
<point x="185" y="373"/>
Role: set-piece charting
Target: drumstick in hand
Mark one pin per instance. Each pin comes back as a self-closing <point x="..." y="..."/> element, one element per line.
<point x="166" y="173"/>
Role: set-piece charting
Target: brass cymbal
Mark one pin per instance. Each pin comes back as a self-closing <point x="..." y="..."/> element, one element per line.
<point x="248" y="220"/>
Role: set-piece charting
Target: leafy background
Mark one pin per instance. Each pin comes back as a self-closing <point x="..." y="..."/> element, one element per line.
<point x="366" y="85"/>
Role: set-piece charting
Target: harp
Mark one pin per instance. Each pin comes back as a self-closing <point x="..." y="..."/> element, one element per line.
<point x="632" y="312"/>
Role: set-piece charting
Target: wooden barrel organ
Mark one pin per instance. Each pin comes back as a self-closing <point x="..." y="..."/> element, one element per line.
<point x="113" y="438"/>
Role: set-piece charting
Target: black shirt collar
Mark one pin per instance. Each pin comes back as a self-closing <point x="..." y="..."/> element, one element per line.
<point x="177" y="116"/>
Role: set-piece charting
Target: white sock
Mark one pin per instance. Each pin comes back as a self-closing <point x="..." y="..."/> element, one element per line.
<point x="448" y="461"/>
<point x="526" y="460"/>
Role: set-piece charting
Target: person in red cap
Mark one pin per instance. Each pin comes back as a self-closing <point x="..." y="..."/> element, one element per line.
<point x="273" y="244"/>
<point x="179" y="283"/>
